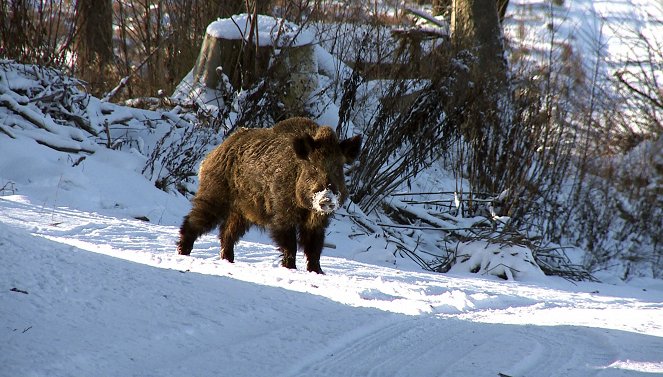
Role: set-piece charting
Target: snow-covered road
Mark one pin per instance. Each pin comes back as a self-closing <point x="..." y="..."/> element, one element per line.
<point x="104" y="296"/>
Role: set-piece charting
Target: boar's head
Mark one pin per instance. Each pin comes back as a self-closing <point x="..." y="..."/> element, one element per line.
<point x="320" y="182"/>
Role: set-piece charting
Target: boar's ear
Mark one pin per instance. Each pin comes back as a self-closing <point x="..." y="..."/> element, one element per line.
<point x="303" y="146"/>
<point x="351" y="148"/>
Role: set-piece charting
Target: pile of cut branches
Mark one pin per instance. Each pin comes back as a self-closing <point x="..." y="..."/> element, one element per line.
<point x="440" y="230"/>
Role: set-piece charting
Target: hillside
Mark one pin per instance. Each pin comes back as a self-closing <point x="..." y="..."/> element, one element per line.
<point x="85" y="293"/>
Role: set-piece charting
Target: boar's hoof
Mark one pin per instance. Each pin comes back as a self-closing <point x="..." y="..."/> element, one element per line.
<point x="183" y="249"/>
<point x="314" y="267"/>
<point x="289" y="262"/>
<point x="228" y="255"/>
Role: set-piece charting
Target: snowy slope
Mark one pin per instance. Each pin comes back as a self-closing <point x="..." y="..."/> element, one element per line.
<point x="89" y="294"/>
<point x="597" y="37"/>
<point x="86" y="289"/>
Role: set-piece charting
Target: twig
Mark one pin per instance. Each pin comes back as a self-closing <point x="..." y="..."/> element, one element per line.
<point x="654" y="101"/>
<point x="125" y="79"/>
<point x="415" y="193"/>
<point x="417" y="227"/>
<point x="61" y="148"/>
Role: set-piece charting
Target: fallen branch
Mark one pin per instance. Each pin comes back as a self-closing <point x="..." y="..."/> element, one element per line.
<point x="27" y="113"/>
<point x="418" y="227"/>
<point x="422" y="14"/>
<point x="62" y="148"/>
<point x="412" y="214"/>
<point x="7" y="132"/>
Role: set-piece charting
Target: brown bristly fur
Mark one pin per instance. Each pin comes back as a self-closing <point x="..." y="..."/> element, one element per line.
<point x="268" y="177"/>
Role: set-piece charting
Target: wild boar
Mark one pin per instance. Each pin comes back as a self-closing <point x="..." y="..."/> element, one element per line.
<point x="287" y="179"/>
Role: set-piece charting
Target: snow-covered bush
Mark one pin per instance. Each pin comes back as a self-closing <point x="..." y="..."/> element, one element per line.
<point x="53" y="109"/>
<point x="509" y="262"/>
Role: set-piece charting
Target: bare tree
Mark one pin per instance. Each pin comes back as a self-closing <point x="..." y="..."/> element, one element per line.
<point x="227" y="8"/>
<point x="488" y="126"/>
<point x="94" y="40"/>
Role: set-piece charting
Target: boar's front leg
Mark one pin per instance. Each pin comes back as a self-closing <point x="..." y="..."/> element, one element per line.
<point x="312" y="241"/>
<point x="286" y="240"/>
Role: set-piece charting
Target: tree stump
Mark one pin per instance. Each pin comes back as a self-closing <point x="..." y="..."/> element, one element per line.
<point x="248" y="49"/>
<point x="239" y="61"/>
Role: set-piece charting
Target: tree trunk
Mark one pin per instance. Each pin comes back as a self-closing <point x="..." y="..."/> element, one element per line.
<point x="488" y="125"/>
<point x="475" y="26"/>
<point x="240" y="62"/>
<point x="440" y="7"/>
<point x="94" y="39"/>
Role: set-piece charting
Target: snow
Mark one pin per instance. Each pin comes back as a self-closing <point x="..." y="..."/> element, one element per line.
<point x="270" y="30"/>
<point x="512" y="262"/>
<point x="86" y="287"/>
<point x="106" y="180"/>
<point x="325" y="201"/>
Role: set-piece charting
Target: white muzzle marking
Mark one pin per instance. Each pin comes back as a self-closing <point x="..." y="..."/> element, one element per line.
<point x="325" y="201"/>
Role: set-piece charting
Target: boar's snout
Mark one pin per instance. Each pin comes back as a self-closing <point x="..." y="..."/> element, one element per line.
<point x="325" y="201"/>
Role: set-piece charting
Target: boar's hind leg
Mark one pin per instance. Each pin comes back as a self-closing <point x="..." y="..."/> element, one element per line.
<point x="286" y="240"/>
<point x="198" y="222"/>
<point x="229" y="233"/>
<point x="312" y="241"/>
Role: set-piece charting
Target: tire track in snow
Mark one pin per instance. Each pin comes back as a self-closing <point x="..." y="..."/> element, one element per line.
<point x="406" y="346"/>
<point x="330" y="360"/>
<point x="548" y="351"/>
<point x="419" y="346"/>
